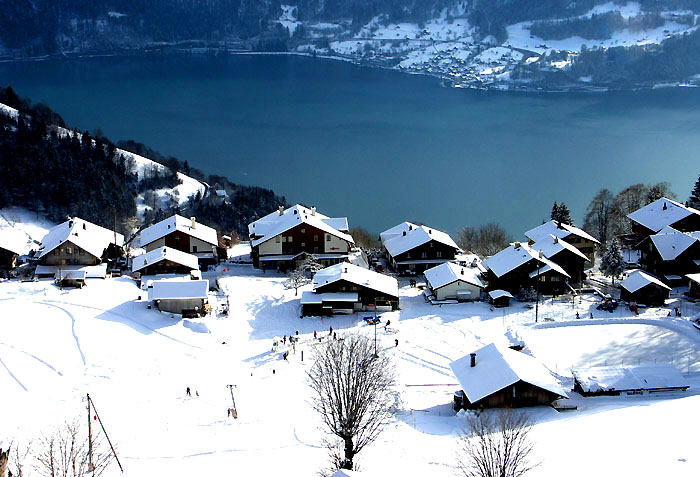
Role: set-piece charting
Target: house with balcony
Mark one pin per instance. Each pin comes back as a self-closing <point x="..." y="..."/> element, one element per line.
<point x="578" y="238"/>
<point x="185" y="235"/>
<point x="412" y="249"/>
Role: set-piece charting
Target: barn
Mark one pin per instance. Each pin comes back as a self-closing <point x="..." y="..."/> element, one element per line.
<point x="645" y="288"/>
<point x="185" y="297"/>
<point x="495" y="376"/>
<point x="616" y="380"/>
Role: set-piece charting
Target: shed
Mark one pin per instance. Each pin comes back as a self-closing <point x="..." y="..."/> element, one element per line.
<point x="186" y="297"/>
<point x="645" y="288"/>
<point x="494" y="376"/>
<point x="500" y="298"/>
<point x="451" y="281"/>
<point x="70" y="278"/>
<point x="615" y="380"/>
<point x="694" y="285"/>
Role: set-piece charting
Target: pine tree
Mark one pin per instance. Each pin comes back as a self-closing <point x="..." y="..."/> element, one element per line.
<point x="555" y="212"/>
<point x="694" y="200"/>
<point x="564" y="214"/>
<point x="612" y="263"/>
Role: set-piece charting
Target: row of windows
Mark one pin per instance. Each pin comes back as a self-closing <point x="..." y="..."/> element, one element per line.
<point x="290" y="238"/>
<point x="425" y="255"/>
<point x="68" y="251"/>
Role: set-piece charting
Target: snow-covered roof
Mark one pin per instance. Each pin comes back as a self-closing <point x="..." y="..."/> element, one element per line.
<point x="451" y="272"/>
<point x="558" y="230"/>
<point x="357" y="275"/>
<point x="180" y="224"/>
<point x="639" y="279"/>
<point x="407" y="236"/>
<point x="312" y="298"/>
<point x="86" y="235"/>
<point x="621" y="378"/>
<point x="516" y="255"/>
<point x="165" y="253"/>
<point x="14" y="240"/>
<point x="274" y="224"/>
<point x="660" y="213"/>
<point x="178" y="290"/>
<point x="496" y="294"/>
<point x="694" y="277"/>
<point x="670" y="243"/>
<point x="552" y="245"/>
<point x="498" y="367"/>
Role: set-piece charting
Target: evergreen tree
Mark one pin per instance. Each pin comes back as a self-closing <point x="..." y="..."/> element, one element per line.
<point x="555" y="212"/>
<point x="694" y="199"/>
<point x="612" y="263"/>
<point x="564" y="214"/>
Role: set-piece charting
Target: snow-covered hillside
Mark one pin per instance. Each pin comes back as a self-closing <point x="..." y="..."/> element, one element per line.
<point x="56" y="346"/>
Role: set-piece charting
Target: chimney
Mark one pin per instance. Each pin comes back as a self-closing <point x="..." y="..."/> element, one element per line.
<point x="410" y="227"/>
<point x="404" y="233"/>
<point x="665" y="207"/>
<point x="556" y="239"/>
<point x="430" y="231"/>
<point x="346" y="270"/>
<point x="70" y="223"/>
<point x="84" y="227"/>
<point x="313" y="210"/>
<point x="462" y="271"/>
<point x="281" y="210"/>
<point x="194" y="222"/>
<point x="473" y="356"/>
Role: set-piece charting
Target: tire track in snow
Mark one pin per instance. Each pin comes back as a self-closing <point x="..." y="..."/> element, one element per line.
<point x="12" y="375"/>
<point x="72" y="328"/>
<point x="35" y="357"/>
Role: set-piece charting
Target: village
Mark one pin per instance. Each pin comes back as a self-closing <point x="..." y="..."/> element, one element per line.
<point x="466" y="332"/>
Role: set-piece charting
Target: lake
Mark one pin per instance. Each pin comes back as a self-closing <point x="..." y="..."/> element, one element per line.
<point x="375" y="145"/>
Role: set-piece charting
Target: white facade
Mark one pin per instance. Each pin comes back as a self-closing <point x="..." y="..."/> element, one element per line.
<point x="333" y="244"/>
<point x="458" y="290"/>
<point x="271" y="247"/>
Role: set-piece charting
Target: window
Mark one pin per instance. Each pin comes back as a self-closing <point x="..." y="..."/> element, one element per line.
<point x="68" y="251"/>
<point x="432" y="244"/>
<point x="315" y="249"/>
<point x="194" y="249"/>
<point x="315" y="238"/>
<point x="424" y="255"/>
<point x="81" y="251"/>
<point x="277" y="239"/>
<point x="328" y="238"/>
<point x="438" y="254"/>
<point x="408" y="255"/>
<point x="555" y="278"/>
<point x="303" y="244"/>
<point x="289" y="239"/>
<point x="303" y="231"/>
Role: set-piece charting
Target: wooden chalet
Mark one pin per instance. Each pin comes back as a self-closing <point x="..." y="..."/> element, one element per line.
<point x="661" y="213"/>
<point x="578" y="238"/>
<point x="694" y="285"/>
<point x="412" y="249"/>
<point x="8" y="255"/>
<point x="495" y="376"/>
<point x="347" y="288"/>
<point x="285" y="238"/>
<point x="451" y="281"/>
<point x="185" y="235"/>
<point x="571" y="259"/>
<point x="79" y="242"/>
<point x="521" y="267"/>
<point x="670" y="254"/>
<point x="164" y="260"/>
<point x="642" y="287"/>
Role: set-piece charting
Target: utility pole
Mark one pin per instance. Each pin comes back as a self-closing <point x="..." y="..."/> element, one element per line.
<point x="91" y="466"/>
<point x="537" y="287"/>
<point x="233" y="410"/>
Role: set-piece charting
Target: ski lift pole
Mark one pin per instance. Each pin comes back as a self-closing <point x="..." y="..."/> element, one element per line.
<point x="91" y="466"/>
<point x="114" y="453"/>
<point x="230" y="387"/>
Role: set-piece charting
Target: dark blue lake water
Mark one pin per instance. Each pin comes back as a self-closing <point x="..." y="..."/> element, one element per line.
<point x="379" y="146"/>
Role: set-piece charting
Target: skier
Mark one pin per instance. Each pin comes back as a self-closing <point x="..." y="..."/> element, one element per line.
<point x="314" y="334"/>
<point x="577" y="316"/>
<point x="396" y="343"/>
<point x="386" y="325"/>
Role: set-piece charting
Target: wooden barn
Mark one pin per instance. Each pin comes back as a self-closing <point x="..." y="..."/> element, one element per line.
<point x="347" y="288"/>
<point x="642" y="287"/>
<point x="165" y="260"/>
<point x="184" y="235"/>
<point x="694" y="285"/>
<point x="574" y="236"/>
<point x="494" y="376"/>
<point x="617" y="380"/>
<point x="568" y="257"/>
<point x="412" y="249"/>
<point x="670" y="254"/>
<point x="184" y="297"/>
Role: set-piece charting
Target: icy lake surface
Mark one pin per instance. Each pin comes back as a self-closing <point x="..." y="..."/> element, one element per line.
<point x="378" y="146"/>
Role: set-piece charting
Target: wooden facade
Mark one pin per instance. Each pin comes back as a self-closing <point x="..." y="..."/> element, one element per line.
<point x="691" y="223"/>
<point x="585" y="246"/>
<point x="8" y="259"/>
<point x="550" y="282"/>
<point x="165" y="267"/>
<point x="520" y="394"/>
<point x="366" y="296"/>
<point x="651" y="261"/>
<point x="69" y="254"/>
<point x="572" y="264"/>
<point x="650" y="295"/>
<point x="420" y="258"/>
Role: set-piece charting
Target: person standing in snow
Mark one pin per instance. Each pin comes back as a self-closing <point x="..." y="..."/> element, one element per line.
<point x="386" y="325"/>
<point x="314" y="334"/>
<point x="396" y="342"/>
<point x="331" y="331"/>
<point x="188" y="393"/>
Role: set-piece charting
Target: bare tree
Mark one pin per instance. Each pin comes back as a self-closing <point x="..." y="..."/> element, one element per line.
<point x="364" y="239"/>
<point x="489" y="239"/>
<point x="352" y="392"/>
<point x="495" y="444"/>
<point x="598" y="215"/>
<point x="310" y="265"/>
<point x="659" y="190"/>
<point x="66" y="453"/>
<point x="627" y="201"/>
<point x="296" y="279"/>
<point x="4" y="458"/>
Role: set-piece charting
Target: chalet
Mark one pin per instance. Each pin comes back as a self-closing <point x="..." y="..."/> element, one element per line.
<point x="347" y="288"/>
<point x="185" y="235"/>
<point x="283" y="239"/>
<point x="616" y="380"/>
<point x="186" y="297"/>
<point x="450" y="281"/>
<point x="412" y="249"/>
<point x="561" y="252"/>
<point x="494" y="376"/>
<point x="670" y="254"/>
<point x="661" y="213"/>
<point x="694" y="285"/>
<point x="164" y="260"/>
<point x="641" y="287"/>
<point x="582" y="240"/>
<point x="78" y="242"/>
<point x="12" y="245"/>
<point x="520" y="266"/>
<point x="500" y="298"/>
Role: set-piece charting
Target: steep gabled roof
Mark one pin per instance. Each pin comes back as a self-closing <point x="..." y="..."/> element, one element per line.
<point x="164" y="253"/>
<point x="357" y="275"/>
<point x="449" y="272"/>
<point x="660" y="213"/>
<point x="407" y="236"/>
<point x="86" y="235"/>
<point x="639" y="279"/>
<point x="14" y="240"/>
<point x="180" y="224"/>
<point x="497" y="368"/>
<point x="516" y="255"/>
<point x="670" y="243"/>
<point x="274" y="224"/>
<point x="552" y="245"/>
<point x="558" y="230"/>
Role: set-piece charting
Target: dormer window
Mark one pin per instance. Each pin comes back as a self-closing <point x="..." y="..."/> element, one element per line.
<point x="303" y="230"/>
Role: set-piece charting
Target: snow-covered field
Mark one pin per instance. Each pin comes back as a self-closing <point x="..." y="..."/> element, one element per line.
<point x="56" y="346"/>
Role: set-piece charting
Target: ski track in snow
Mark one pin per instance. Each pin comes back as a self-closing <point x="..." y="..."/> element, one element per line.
<point x="12" y="375"/>
<point x="35" y="357"/>
<point x="72" y="328"/>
